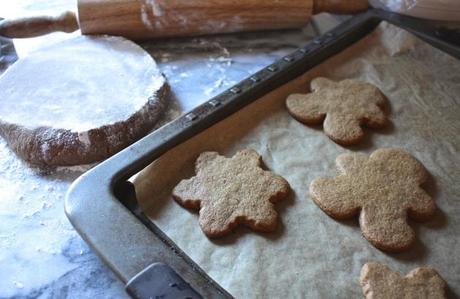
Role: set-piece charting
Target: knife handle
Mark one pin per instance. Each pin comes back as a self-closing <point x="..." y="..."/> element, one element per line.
<point x="36" y="26"/>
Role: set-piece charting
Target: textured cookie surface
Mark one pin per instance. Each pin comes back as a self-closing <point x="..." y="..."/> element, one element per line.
<point x="343" y="106"/>
<point x="379" y="282"/>
<point x="383" y="188"/>
<point x="232" y="191"/>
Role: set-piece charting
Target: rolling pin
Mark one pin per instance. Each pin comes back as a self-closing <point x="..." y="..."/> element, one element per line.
<point x="146" y="19"/>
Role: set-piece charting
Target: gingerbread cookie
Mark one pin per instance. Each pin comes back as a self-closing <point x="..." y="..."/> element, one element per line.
<point x="344" y="107"/>
<point x="383" y="188"/>
<point x="379" y="282"/>
<point x="232" y="191"/>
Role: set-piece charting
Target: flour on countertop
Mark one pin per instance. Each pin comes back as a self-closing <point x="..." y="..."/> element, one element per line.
<point x="220" y="65"/>
<point x="31" y="199"/>
<point x="41" y="255"/>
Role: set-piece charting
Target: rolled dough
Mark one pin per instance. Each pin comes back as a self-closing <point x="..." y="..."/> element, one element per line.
<point x="80" y="101"/>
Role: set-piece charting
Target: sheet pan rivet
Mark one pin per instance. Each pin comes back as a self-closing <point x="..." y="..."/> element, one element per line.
<point x="254" y="79"/>
<point x="235" y="90"/>
<point x="214" y="103"/>
<point x="317" y="41"/>
<point x="304" y="50"/>
<point x="272" y="68"/>
<point x="191" y="116"/>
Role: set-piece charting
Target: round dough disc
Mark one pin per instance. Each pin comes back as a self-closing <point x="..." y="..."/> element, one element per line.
<point x="80" y="101"/>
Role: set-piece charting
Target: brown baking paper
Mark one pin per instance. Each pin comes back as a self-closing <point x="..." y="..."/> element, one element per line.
<point x="310" y="255"/>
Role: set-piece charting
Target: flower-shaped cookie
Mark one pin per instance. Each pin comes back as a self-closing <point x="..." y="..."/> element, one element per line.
<point x="379" y="282"/>
<point x="344" y="106"/>
<point x="383" y="188"/>
<point x="232" y="191"/>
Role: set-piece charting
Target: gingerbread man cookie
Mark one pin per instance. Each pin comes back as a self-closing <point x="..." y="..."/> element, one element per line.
<point x="379" y="282"/>
<point x="232" y="191"/>
<point x="383" y="189"/>
<point x="344" y="107"/>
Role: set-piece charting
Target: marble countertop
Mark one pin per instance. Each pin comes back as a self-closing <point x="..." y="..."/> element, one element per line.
<point x="41" y="255"/>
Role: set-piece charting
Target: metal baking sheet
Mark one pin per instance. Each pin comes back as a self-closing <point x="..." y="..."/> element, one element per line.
<point x="102" y="205"/>
<point x="310" y="254"/>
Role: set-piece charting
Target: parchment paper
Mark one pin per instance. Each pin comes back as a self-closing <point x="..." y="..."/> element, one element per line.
<point x="310" y="255"/>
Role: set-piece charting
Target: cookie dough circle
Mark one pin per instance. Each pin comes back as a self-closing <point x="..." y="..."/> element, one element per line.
<point x="80" y="101"/>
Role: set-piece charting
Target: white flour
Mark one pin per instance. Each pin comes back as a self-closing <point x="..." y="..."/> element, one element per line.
<point x="34" y="227"/>
<point x="79" y="84"/>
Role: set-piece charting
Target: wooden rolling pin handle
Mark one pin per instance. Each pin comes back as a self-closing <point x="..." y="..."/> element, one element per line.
<point x="36" y="26"/>
<point x="340" y="6"/>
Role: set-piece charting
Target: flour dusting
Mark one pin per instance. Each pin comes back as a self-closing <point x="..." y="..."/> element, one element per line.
<point x="156" y="7"/>
<point x="80" y="101"/>
<point x="79" y="84"/>
<point x="32" y="213"/>
<point x="151" y="14"/>
<point x="83" y="137"/>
